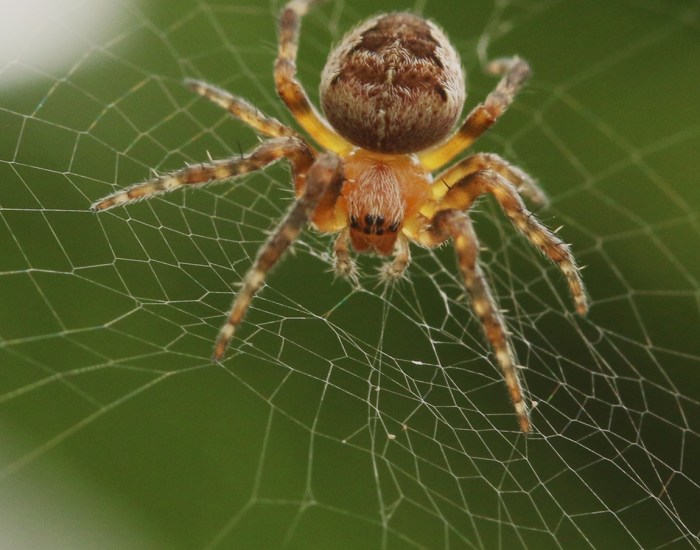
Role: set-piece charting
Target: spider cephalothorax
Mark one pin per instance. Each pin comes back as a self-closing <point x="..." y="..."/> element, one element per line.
<point x="392" y="92"/>
<point x="379" y="193"/>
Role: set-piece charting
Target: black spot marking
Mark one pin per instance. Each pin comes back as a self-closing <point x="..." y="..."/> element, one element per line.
<point x="441" y="92"/>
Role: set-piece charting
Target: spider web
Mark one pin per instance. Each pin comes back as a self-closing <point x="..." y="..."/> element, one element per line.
<point x="369" y="418"/>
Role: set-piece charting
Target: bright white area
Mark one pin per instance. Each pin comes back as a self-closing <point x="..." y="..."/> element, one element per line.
<point x="45" y="502"/>
<point x="48" y="35"/>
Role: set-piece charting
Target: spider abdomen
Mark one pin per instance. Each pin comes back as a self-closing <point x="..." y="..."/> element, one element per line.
<point x="393" y="85"/>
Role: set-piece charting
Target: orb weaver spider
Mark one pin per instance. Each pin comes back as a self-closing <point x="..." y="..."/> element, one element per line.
<point x="392" y="92"/>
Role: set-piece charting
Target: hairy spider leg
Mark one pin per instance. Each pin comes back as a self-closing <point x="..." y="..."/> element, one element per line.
<point x="294" y="149"/>
<point x="325" y="174"/>
<point x="456" y="224"/>
<point x="290" y="89"/>
<point x="515" y="72"/>
<point x="462" y="195"/>
<point x="241" y="109"/>
<point x="525" y="184"/>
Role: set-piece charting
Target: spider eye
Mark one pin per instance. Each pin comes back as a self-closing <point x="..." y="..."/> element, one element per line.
<point x="393" y="85"/>
<point x="373" y="225"/>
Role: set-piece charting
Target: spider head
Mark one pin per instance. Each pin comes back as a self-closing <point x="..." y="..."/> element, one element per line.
<point x="380" y="194"/>
<point x="373" y="232"/>
<point x="393" y="85"/>
<point x="373" y="200"/>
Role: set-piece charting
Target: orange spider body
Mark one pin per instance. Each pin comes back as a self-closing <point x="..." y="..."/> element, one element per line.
<point x="392" y="92"/>
<point x="381" y="195"/>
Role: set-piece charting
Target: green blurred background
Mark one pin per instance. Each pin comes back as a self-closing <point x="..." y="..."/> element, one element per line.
<point x="343" y="419"/>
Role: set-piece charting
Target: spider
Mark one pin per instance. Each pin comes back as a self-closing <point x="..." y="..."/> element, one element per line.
<point x="392" y="92"/>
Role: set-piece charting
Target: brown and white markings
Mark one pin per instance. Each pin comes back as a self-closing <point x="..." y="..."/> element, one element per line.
<point x="392" y="92"/>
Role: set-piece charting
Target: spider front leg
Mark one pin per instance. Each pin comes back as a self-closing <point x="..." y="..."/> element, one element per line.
<point x="324" y="174"/>
<point x="294" y="149"/>
<point x="463" y="194"/>
<point x="456" y="224"/>
<point x="515" y="72"/>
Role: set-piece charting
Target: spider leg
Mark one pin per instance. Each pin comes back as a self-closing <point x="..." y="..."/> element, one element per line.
<point x="525" y="184"/>
<point x="463" y="193"/>
<point x="241" y="109"/>
<point x="515" y="72"/>
<point x="290" y="89"/>
<point x="325" y="173"/>
<point x="294" y="149"/>
<point x="456" y="224"/>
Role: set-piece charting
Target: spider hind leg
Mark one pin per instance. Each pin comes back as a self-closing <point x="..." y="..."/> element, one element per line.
<point x="290" y="89"/>
<point x="515" y="72"/>
<point x="241" y="109"/>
